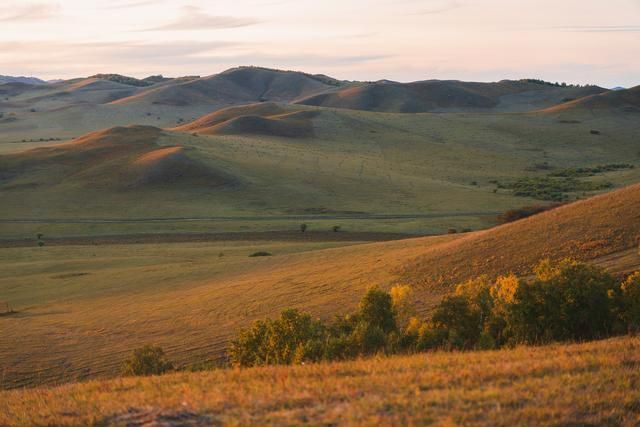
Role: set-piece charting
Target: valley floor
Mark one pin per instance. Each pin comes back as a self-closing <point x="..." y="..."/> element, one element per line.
<point x="595" y="383"/>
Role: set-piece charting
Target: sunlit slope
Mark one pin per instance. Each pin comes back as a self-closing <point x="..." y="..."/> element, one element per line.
<point x="574" y="384"/>
<point x="82" y="309"/>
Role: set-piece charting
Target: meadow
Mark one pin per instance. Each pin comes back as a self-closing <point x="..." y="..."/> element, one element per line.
<point x="594" y="383"/>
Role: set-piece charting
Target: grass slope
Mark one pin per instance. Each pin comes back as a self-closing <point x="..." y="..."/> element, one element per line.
<point x="448" y="95"/>
<point x="577" y="384"/>
<point x="436" y="169"/>
<point x="83" y="308"/>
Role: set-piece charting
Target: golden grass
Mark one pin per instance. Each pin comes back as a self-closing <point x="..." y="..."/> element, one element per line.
<point x="190" y="301"/>
<point x="595" y="383"/>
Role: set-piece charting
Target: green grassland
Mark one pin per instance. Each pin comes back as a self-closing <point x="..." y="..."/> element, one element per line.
<point x="442" y="166"/>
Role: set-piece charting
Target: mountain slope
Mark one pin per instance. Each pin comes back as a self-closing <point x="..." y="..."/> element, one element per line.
<point x="21" y="79"/>
<point x="449" y="95"/>
<point x="236" y="86"/>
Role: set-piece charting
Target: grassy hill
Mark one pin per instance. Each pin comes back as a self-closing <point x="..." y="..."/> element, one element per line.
<point x="613" y="102"/>
<point x="234" y="86"/>
<point x="449" y="95"/>
<point x="429" y="172"/>
<point x="577" y="384"/>
<point x="88" y="306"/>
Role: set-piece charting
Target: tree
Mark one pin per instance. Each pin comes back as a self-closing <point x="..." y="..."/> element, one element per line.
<point x="303" y="227"/>
<point x="567" y="300"/>
<point x="148" y="360"/>
<point x="376" y="309"/>
<point x="459" y="319"/>
<point x="631" y="302"/>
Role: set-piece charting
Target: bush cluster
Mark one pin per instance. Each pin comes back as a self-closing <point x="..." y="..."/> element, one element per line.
<point x="568" y="300"/>
<point x="524" y="212"/>
<point x="552" y="188"/>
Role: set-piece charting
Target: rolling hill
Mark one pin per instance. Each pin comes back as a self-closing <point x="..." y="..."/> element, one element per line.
<point x="425" y="172"/>
<point x="92" y="309"/>
<point x="614" y="102"/>
<point x="449" y="96"/>
<point x="118" y="158"/>
<point x="235" y="86"/>
<point x="267" y="119"/>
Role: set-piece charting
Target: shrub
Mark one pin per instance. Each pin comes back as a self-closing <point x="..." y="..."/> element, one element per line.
<point x="148" y="360"/>
<point x="259" y="254"/>
<point x="630" y="309"/>
<point x="303" y="227"/>
<point x="459" y="319"/>
<point x="335" y="228"/>
<point x="568" y="300"/>
<point x="376" y="309"/>
<point x="524" y="212"/>
<point x="292" y="338"/>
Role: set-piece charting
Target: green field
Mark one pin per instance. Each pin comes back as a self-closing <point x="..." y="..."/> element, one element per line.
<point x="436" y="171"/>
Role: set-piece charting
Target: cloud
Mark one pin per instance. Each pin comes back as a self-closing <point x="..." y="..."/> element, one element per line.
<point x="127" y="4"/>
<point x="193" y="18"/>
<point x="601" y="28"/>
<point x="28" y="12"/>
<point x="442" y="7"/>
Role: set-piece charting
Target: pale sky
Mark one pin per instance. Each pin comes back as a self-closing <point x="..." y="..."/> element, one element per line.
<point x="577" y="41"/>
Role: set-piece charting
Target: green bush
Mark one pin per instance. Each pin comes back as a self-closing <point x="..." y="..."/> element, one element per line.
<point x="260" y="253"/>
<point x="630" y="303"/>
<point x="568" y="300"/>
<point x="292" y="338"/>
<point x="148" y="360"/>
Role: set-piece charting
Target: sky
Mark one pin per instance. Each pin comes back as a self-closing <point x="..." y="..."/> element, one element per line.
<point x="577" y="41"/>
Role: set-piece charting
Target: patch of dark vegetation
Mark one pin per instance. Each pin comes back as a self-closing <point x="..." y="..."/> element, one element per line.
<point x="260" y="253"/>
<point x="595" y="132"/>
<point x="147" y="360"/>
<point x="569" y="121"/>
<point x="565" y="301"/>
<point x="584" y="172"/>
<point x="69" y="275"/>
<point x="6" y="309"/>
<point x="554" y="189"/>
<point x="125" y="80"/>
<point x="524" y="212"/>
<point x="139" y="417"/>
<point x="544" y="166"/>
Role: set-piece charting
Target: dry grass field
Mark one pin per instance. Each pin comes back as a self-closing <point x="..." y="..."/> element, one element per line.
<point x="82" y="309"/>
<point x="596" y="383"/>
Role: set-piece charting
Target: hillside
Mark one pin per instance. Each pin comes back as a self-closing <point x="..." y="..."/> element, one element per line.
<point x="363" y="171"/>
<point x="189" y="299"/>
<point x="21" y="79"/>
<point x="448" y="95"/>
<point x="256" y="119"/>
<point x="234" y="86"/>
<point x="576" y="384"/>
<point x="129" y="157"/>
<point x="613" y="102"/>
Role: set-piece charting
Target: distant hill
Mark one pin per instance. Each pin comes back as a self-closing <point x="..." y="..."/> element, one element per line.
<point x="449" y="95"/>
<point x="626" y="100"/>
<point x="236" y="86"/>
<point x="21" y="79"/>
<point x="119" y="158"/>
<point x="262" y="119"/>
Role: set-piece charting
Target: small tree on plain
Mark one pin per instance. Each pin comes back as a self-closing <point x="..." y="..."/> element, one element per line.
<point x="303" y="227"/>
<point x="147" y="360"/>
